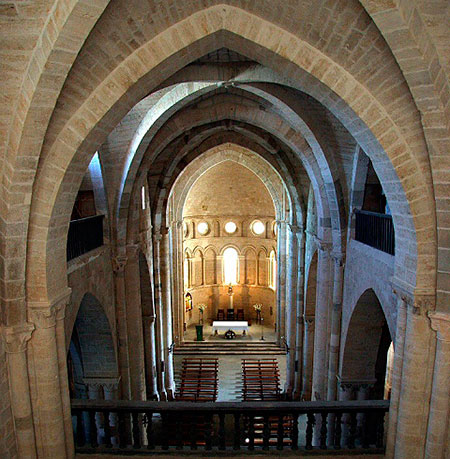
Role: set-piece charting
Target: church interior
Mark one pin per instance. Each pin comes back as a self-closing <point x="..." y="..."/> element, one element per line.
<point x="225" y="228"/>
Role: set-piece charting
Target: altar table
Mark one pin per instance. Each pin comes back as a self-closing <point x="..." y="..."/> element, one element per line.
<point x="234" y="325"/>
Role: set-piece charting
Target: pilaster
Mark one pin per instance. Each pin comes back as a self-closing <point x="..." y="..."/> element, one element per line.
<point x="16" y="339"/>
<point x="47" y="362"/>
<point x="437" y="443"/>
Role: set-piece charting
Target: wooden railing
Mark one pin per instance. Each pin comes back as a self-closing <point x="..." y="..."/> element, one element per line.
<point x="131" y="426"/>
<point x="84" y="235"/>
<point x="376" y="230"/>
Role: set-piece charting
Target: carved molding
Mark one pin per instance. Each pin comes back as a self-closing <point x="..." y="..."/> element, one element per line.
<point x="17" y="337"/>
<point x="440" y="322"/>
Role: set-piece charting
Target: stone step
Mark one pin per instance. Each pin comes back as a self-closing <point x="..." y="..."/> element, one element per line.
<point x="192" y="348"/>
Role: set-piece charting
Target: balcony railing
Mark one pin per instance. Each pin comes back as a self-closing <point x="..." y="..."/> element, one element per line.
<point x="376" y="230"/>
<point x="84" y="235"/>
<point x="249" y="427"/>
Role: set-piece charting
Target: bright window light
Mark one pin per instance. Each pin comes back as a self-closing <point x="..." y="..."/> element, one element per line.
<point x="203" y="228"/>
<point x="272" y="270"/>
<point x="258" y="227"/>
<point x="230" y="265"/>
<point x="143" y="204"/>
<point x="230" y="227"/>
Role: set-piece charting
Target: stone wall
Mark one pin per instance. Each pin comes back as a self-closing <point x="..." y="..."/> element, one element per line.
<point x="367" y="268"/>
<point x="91" y="273"/>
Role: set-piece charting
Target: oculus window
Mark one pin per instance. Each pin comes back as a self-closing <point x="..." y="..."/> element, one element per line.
<point x="230" y="227"/>
<point x="203" y="228"/>
<point x="258" y="227"/>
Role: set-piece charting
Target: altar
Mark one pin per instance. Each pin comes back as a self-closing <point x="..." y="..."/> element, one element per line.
<point x="228" y="325"/>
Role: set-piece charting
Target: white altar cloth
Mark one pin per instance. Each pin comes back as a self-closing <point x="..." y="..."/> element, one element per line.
<point x="226" y="325"/>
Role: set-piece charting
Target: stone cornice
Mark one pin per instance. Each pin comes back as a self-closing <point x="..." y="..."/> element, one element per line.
<point x="440" y="322"/>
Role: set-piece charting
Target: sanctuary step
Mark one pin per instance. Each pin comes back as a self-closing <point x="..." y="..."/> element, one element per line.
<point x="227" y="348"/>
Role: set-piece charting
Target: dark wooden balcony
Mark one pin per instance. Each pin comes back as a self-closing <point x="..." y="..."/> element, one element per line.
<point x="84" y="235"/>
<point x="376" y="230"/>
<point x="244" y="428"/>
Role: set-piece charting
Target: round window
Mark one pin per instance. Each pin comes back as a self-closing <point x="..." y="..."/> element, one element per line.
<point x="203" y="228"/>
<point x="230" y="227"/>
<point x="258" y="227"/>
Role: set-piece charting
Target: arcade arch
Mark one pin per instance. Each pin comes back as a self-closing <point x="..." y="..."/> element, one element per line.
<point x="376" y="107"/>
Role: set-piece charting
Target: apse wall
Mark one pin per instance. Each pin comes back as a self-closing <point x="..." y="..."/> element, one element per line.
<point x="229" y="193"/>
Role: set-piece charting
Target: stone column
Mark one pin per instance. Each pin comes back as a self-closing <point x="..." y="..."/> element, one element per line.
<point x="396" y="374"/>
<point x="45" y="374"/>
<point x="417" y="373"/>
<point x="150" y="357"/>
<point x="281" y="277"/>
<point x="166" y="307"/>
<point x="95" y="392"/>
<point x="16" y="339"/>
<point x="118" y="264"/>
<point x="291" y="305"/>
<point x="111" y="392"/>
<point x="177" y="285"/>
<point x="301" y="240"/>
<point x="437" y="443"/>
<point x="160" y="362"/>
<point x="135" y="331"/>
<point x="63" y="375"/>
<point x="346" y="393"/>
<point x="308" y="355"/>
<point x="336" y="315"/>
<point x="320" y="365"/>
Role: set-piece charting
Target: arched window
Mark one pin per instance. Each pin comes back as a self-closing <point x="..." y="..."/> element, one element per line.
<point x="272" y="269"/>
<point x="187" y="272"/>
<point x="230" y="266"/>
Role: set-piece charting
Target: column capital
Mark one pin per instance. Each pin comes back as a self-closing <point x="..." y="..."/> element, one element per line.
<point x="338" y="258"/>
<point x="17" y="337"/>
<point x="419" y="301"/>
<point x="118" y="263"/>
<point x="44" y="314"/>
<point x="295" y="228"/>
<point x="107" y="383"/>
<point x="440" y="322"/>
<point x="149" y="319"/>
<point x="132" y="250"/>
<point x="355" y="384"/>
<point x="309" y="319"/>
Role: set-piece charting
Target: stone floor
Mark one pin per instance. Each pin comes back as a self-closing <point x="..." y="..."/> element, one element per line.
<point x="230" y="374"/>
<point x="254" y="334"/>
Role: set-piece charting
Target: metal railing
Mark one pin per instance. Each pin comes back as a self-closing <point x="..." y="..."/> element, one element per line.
<point x="249" y="427"/>
<point x="84" y="235"/>
<point x="376" y="230"/>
